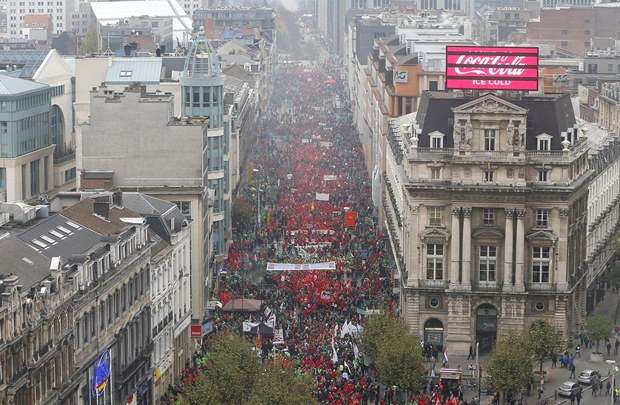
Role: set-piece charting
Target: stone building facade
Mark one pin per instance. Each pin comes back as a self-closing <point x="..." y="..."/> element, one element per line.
<point x="486" y="207"/>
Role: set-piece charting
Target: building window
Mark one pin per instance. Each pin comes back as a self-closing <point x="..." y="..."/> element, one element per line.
<point x="541" y="261"/>
<point x="540" y="306"/>
<point x="488" y="216"/>
<point x="2" y="177"/>
<point x="436" y="173"/>
<point x="437" y="141"/>
<point x="489" y="139"/>
<point x="433" y="85"/>
<point x="185" y="207"/>
<point x="488" y="263"/>
<point x="488" y="176"/>
<point x="543" y="142"/>
<point x="543" y="175"/>
<point x="434" y="302"/>
<point x="126" y="73"/>
<point x="434" y="261"/>
<point x="434" y="215"/>
<point x="542" y="217"/>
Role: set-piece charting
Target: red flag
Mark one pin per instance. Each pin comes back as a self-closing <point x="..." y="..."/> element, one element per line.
<point x="350" y="219"/>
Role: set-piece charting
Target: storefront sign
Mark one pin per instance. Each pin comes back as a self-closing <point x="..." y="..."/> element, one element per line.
<point x="401" y="76"/>
<point x="101" y="372"/>
<point x="492" y="68"/>
<point x="196" y="330"/>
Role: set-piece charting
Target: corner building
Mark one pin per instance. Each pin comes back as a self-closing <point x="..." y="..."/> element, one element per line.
<point x="486" y="209"/>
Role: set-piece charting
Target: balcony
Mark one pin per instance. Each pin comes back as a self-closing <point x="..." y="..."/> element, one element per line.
<point x="434" y="284"/>
<point x="533" y="156"/>
<point x="541" y="287"/>
<point x="488" y="285"/>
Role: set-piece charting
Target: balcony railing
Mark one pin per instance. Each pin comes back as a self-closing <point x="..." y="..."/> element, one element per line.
<point x="488" y="285"/>
<point x="541" y="286"/>
<point x="436" y="284"/>
<point x="499" y="156"/>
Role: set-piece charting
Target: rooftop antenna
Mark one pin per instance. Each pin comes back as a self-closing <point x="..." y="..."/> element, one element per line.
<point x="108" y="51"/>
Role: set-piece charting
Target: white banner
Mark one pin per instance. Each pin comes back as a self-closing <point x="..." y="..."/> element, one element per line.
<point x="278" y="336"/>
<point x="247" y="325"/>
<point x="330" y="177"/>
<point x="322" y="196"/>
<point x="301" y="266"/>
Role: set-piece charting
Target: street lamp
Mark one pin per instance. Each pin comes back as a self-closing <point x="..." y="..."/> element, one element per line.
<point x="613" y="370"/>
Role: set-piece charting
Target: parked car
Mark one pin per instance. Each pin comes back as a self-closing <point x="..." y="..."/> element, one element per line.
<point x="588" y="376"/>
<point x="568" y="387"/>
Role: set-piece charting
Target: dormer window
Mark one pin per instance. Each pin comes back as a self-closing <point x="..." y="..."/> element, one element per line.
<point x="490" y="141"/>
<point x="436" y="140"/>
<point x="543" y="142"/>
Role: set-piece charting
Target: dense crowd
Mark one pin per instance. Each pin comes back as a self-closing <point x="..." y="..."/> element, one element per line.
<point x="307" y="170"/>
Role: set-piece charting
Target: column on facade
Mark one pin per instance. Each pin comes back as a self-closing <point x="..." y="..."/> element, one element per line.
<point x="520" y="251"/>
<point x="455" y="239"/>
<point x="409" y="247"/>
<point x="466" y="257"/>
<point x="560" y="278"/>
<point x="508" y="248"/>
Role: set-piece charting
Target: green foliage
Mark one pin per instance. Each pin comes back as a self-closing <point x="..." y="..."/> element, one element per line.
<point x="242" y="213"/>
<point x="91" y="41"/>
<point x="598" y="327"/>
<point x="396" y="353"/>
<point x="400" y="362"/>
<point x="234" y="376"/>
<point x="614" y="276"/>
<point x="510" y="367"/>
<point x="378" y="328"/>
<point x="544" y="341"/>
<point x="282" y="386"/>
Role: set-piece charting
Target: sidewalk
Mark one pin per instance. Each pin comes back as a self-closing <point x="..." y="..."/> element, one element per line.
<point x="556" y="376"/>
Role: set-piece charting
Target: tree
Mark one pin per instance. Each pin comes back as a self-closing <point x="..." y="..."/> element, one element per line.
<point x="510" y="367"/>
<point x="598" y="327"/>
<point x="242" y="213"/>
<point x="91" y="41"/>
<point x="379" y="328"/>
<point x="399" y="362"/>
<point x="232" y="371"/>
<point x="544" y="341"/>
<point x="278" y="385"/>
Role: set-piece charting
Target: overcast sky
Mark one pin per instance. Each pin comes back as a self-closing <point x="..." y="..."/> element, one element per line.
<point x="289" y="4"/>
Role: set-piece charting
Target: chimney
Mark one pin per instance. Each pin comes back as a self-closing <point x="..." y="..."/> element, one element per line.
<point x="101" y="206"/>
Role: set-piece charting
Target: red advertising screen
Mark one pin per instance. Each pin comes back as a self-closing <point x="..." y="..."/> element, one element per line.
<point x="491" y="68"/>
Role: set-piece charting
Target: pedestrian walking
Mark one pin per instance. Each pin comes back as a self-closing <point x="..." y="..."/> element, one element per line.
<point x="608" y="348"/>
<point x="554" y="360"/>
<point x="470" y="356"/>
<point x="578" y="397"/>
<point x="616" y="345"/>
<point x="572" y="370"/>
<point x="608" y="387"/>
<point x="572" y="398"/>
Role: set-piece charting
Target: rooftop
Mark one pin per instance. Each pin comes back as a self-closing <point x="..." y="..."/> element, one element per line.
<point x="20" y="259"/>
<point x="26" y="61"/>
<point x="12" y="86"/>
<point x="146" y="70"/>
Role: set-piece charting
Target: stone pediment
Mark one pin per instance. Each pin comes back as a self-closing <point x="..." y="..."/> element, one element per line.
<point x="542" y="235"/>
<point x="488" y="232"/>
<point x="434" y="233"/>
<point x="489" y="104"/>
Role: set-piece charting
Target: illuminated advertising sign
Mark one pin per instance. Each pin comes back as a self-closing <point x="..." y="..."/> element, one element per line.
<point x="491" y="68"/>
<point x="100" y="376"/>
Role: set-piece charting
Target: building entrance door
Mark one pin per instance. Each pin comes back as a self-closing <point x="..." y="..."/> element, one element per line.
<point x="486" y="327"/>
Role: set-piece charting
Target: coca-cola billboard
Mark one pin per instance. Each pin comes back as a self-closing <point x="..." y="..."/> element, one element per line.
<point x="492" y="68"/>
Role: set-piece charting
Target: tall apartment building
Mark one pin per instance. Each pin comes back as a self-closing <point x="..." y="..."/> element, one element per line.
<point x="59" y="10"/>
<point x="86" y="312"/>
<point x="26" y="148"/>
<point x="133" y="142"/>
<point x="487" y="208"/>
